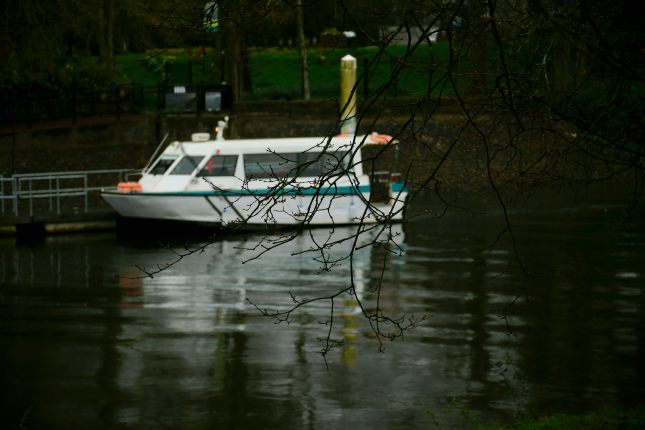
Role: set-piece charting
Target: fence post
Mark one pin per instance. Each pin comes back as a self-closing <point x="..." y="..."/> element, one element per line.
<point x="51" y="202"/>
<point x="28" y="102"/>
<point x="74" y="105"/>
<point x="15" y="196"/>
<point x="85" y="190"/>
<point x="93" y="95"/>
<point x="31" y="200"/>
<point x="161" y="101"/>
<point x="7" y="101"/>
<point x="200" y="102"/>
<point x="140" y="103"/>
<point x="117" y="95"/>
<point x="57" y="195"/>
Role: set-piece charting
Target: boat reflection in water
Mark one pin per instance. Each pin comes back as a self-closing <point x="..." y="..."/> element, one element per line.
<point x="267" y="268"/>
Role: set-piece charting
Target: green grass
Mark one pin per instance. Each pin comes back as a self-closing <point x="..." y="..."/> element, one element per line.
<point x="275" y="73"/>
<point x="609" y="419"/>
<point x="137" y="69"/>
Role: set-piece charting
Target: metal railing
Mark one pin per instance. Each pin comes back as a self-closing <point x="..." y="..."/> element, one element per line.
<point x="23" y="191"/>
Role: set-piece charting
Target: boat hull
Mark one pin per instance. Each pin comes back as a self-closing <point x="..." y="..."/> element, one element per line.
<point x="252" y="209"/>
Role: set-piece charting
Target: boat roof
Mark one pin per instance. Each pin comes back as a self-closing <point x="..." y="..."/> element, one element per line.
<point x="263" y="145"/>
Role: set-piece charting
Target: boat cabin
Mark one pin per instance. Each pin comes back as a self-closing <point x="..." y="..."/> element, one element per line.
<point x="312" y="180"/>
<point x="199" y="164"/>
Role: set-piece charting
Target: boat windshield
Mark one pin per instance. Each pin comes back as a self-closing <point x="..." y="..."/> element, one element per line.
<point x="187" y="165"/>
<point x="162" y="165"/>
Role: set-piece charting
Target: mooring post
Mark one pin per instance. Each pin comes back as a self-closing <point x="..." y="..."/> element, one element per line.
<point x="348" y="95"/>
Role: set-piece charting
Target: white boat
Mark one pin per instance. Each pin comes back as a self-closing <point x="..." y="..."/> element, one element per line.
<point x="281" y="181"/>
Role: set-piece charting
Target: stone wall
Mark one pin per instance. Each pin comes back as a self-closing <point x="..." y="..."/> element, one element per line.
<point x="127" y="142"/>
<point x="118" y="144"/>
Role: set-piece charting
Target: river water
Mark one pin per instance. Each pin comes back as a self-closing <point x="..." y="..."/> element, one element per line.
<point x="87" y="344"/>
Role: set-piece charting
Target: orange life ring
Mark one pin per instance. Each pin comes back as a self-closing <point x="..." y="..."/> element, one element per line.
<point x="129" y="187"/>
<point x="380" y="138"/>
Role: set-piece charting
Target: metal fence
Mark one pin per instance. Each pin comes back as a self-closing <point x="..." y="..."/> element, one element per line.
<point x="56" y="193"/>
<point x="29" y="107"/>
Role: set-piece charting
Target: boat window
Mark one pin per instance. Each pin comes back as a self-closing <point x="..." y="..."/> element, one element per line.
<point x="162" y="165"/>
<point x="186" y="165"/>
<point x="259" y="166"/>
<point x="219" y="165"/>
<point x="316" y="164"/>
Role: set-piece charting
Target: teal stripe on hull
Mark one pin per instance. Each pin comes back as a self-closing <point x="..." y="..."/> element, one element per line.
<point x="333" y="191"/>
<point x="399" y="187"/>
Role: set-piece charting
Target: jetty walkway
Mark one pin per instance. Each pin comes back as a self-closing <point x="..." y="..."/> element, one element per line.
<point x="33" y="204"/>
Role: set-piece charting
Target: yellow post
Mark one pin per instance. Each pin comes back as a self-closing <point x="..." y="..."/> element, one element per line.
<point x="347" y="104"/>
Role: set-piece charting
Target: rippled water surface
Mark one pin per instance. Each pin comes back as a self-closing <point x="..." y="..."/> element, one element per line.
<point x="85" y="346"/>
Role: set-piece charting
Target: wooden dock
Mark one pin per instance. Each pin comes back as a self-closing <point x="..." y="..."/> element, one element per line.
<point x="45" y="224"/>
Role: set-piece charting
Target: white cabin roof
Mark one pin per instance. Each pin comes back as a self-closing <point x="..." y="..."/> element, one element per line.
<point x="260" y="146"/>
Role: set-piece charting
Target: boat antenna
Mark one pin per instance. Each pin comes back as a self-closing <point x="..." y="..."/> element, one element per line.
<point x="221" y="125"/>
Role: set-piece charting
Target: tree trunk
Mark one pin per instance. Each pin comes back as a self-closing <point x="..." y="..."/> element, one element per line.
<point x="5" y="40"/>
<point x="478" y="28"/>
<point x="302" y="48"/>
<point x="232" y="60"/>
<point x="234" y="52"/>
<point x="105" y="38"/>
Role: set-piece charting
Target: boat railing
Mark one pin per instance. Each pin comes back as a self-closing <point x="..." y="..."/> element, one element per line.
<point x="57" y="192"/>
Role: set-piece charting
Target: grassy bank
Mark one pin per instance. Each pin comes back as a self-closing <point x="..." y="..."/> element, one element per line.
<point x="608" y="419"/>
<point x="275" y="72"/>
